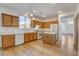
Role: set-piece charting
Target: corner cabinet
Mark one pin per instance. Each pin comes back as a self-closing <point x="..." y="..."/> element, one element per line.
<point x="8" y="40"/>
<point x="10" y="20"/>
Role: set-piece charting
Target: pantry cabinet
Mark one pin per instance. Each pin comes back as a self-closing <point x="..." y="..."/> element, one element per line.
<point x="8" y="40"/>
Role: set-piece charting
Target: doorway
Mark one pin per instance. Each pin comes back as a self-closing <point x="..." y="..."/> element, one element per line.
<point x="66" y="32"/>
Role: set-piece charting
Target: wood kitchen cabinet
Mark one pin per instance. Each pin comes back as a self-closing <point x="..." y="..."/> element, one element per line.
<point x="30" y="36"/>
<point x="26" y="37"/>
<point x="15" y="21"/>
<point x="49" y="39"/>
<point x="35" y="22"/>
<point x="10" y="20"/>
<point x="35" y="36"/>
<point x="46" y="25"/>
<point x="6" y="20"/>
<point x="8" y="40"/>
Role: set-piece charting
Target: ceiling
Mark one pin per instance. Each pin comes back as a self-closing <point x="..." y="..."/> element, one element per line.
<point x="41" y="10"/>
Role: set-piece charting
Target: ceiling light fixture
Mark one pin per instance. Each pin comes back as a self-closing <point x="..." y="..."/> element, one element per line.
<point x="33" y="18"/>
<point x="31" y="14"/>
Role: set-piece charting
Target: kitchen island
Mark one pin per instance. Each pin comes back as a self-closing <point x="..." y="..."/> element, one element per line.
<point x="49" y="38"/>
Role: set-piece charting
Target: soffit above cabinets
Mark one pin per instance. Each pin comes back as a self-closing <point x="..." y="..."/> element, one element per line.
<point x="41" y="10"/>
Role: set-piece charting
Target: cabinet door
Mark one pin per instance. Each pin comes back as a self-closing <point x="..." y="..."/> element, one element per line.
<point x="8" y="41"/>
<point x="31" y="36"/>
<point x="15" y="21"/>
<point x="6" y="20"/>
<point x="26" y="37"/>
<point x="53" y="39"/>
<point x="49" y="39"/>
<point x="46" y="38"/>
<point x="35" y="36"/>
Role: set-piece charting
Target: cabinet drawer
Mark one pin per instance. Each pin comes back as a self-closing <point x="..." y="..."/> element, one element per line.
<point x="31" y="36"/>
<point x="35" y="36"/>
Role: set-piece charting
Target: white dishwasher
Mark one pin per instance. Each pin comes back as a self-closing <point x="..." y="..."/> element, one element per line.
<point x="19" y="39"/>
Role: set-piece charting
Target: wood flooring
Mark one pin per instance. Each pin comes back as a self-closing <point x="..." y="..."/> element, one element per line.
<point x="37" y="48"/>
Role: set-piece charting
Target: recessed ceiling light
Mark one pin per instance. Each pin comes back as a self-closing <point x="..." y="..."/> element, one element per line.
<point x="33" y="18"/>
<point x="31" y="14"/>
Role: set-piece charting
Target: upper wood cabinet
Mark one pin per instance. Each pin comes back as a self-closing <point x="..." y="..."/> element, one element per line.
<point x="10" y="20"/>
<point x="15" y="21"/>
<point x="6" y="20"/>
<point x="35" y="22"/>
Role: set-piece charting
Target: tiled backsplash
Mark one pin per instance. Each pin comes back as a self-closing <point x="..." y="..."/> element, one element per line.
<point x="6" y="30"/>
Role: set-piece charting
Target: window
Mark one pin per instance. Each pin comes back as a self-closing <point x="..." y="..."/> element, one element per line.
<point x="24" y="22"/>
<point x="28" y="22"/>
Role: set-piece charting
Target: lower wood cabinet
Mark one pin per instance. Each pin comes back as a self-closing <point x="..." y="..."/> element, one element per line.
<point x="26" y="37"/>
<point x="35" y="35"/>
<point x="30" y="36"/>
<point x="8" y="40"/>
<point x="49" y="39"/>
